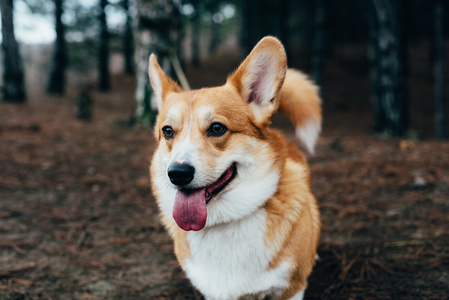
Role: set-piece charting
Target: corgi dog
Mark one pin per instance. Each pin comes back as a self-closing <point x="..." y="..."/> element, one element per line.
<point x="233" y="193"/>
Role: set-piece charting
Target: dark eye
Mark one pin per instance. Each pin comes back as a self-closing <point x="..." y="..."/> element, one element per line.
<point x="168" y="132"/>
<point x="216" y="129"/>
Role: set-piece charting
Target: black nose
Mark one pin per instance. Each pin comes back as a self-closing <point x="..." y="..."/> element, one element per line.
<point x="181" y="174"/>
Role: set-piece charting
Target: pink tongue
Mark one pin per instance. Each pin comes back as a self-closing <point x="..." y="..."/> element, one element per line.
<point x="189" y="211"/>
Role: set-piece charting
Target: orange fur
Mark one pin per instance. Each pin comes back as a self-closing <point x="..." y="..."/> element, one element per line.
<point x="293" y="225"/>
<point x="299" y="98"/>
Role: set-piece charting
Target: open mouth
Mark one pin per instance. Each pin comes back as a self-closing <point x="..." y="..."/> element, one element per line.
<point x="190" y="208"/>
<point x="221" y="183"/>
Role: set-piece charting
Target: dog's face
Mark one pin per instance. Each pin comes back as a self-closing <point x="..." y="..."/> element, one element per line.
<point x="215" y="161"/>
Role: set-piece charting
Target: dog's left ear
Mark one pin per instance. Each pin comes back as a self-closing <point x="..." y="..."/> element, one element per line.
<point x="161" y="83"/>
<point x="260" y="77"/>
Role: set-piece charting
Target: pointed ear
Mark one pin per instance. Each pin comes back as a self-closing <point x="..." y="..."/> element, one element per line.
<point x="161" y="83"/>
<point x="260" y="77"/>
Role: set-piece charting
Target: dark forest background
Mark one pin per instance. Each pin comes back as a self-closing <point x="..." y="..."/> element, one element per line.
<point x="77" y="217"/>
<point x="187" y="33"/>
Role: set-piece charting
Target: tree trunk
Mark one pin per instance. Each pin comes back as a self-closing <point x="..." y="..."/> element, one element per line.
<point x="247" y="25"/>
<point x="196" y="38"/>
<point x="13" y="74"/>
<point x="318" y="41"/>
<point x="438" y="48"/>
<point x="180" y="36"/>
<point x="215" y="37"/>
<point x="155" y="31"/>
<point x="128" y="41"/>
<point x="387" y="55"/>
<point x="285" y="26"/>
<point x="56" y="83"/>
<point x="103" y="54"/>
<point x="214" y="7"/>
<point x="307" y="30"/>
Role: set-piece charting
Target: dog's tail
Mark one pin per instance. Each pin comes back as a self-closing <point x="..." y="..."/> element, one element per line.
<point x="300" y="101"/>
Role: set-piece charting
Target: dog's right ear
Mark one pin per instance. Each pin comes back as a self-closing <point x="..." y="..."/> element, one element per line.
<point x="161" y="83"/>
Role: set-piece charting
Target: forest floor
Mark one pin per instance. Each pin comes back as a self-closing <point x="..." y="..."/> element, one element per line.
<point x="78" y="221"/>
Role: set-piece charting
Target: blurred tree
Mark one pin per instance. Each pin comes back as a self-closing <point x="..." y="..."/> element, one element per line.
<point x="43" y="7"/>
<point x="386" y="49"/>
<point x="214" y="7"/>
<point x="284" y="34"/>
<point x="128" y="41"/>
<point x="248" y="23"/>
<point x="84" y="104"/>
<point x="261" y="18"/>
<point x="82" y="31"/>
<point x="438" y="50"/>
<point x="347" y="21"/>
<point x="318" y="41"/>
<point x="13" y="74"/>
<point x="180" y="25"/>
<point x="155" y="33"/>
<point x="57" y="78"/>
<point x="103" y="54"/>
<point x="195" y="38"/>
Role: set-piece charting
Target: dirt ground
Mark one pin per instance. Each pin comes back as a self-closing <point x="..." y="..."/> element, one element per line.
<point x="78" y="221"/>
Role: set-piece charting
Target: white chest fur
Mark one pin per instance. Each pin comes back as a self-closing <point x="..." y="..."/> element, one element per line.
<point x="232" y="260"/>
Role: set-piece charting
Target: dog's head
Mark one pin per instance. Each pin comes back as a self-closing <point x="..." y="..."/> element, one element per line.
<point x="216" y="160"/>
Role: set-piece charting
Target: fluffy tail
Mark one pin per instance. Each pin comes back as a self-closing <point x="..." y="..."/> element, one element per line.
<point x="301" y="102"/>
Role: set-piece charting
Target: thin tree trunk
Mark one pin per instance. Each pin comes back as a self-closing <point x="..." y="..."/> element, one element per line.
<point x="285" y="26"/>
<point x="155" y="31"/>
<point x="180" y="45"/>
<point x="307" y="30"/>
<point x="247" y="31"/>
<point x="196" y="40"/>
<point x="180" y="36"/>
<point x="13" y="74"/>
<point x="215" y="37"/>
<point x="103" y="55"/>
<point x="440" y="107"/>
<point x="389" y="96"/>
<point x="318" y="41"/>
<point x="373" y="54"/>
<point x="56" y="83"/>
<point x="128" y="41"/>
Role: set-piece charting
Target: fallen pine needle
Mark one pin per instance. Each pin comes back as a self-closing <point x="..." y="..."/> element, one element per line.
<point x="9" y="273"/>
<point x="403" y="243"/>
